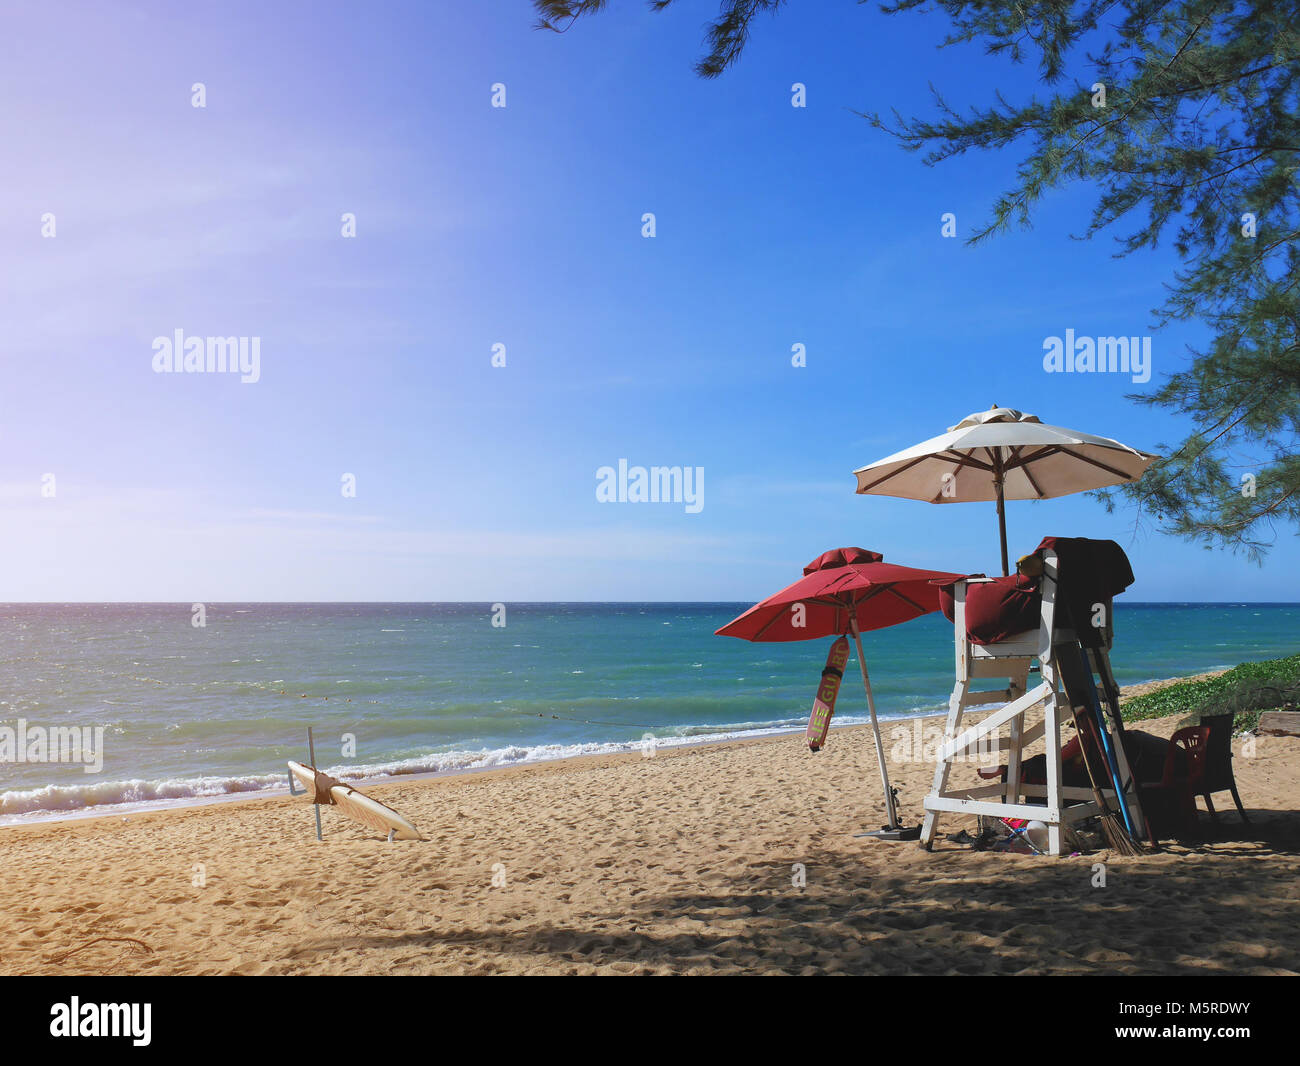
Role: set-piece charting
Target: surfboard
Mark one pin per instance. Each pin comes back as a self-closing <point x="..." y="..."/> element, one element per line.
<point x="824" y="704"/>
<point x="321" y="788"/>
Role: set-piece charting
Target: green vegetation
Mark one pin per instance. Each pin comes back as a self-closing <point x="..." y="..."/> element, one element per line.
<point x="1248" y="690"/>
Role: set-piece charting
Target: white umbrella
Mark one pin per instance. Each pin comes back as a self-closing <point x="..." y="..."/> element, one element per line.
<point x="1003" y="454"/>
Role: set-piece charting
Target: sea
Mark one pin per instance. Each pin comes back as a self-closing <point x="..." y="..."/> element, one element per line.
<point x="172" y="712"/>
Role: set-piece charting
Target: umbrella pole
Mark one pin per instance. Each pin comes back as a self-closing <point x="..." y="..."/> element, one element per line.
<point x="1002" y="518"/>
<point x="875" y="726"/>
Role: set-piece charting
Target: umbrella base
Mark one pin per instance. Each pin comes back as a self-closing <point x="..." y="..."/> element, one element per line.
<point x="897" y="832"/>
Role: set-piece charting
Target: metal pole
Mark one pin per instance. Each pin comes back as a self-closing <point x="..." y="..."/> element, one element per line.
<point x="875" y="726"/>
<point x="311" y="750"/>
<point x="1002" y="511"/>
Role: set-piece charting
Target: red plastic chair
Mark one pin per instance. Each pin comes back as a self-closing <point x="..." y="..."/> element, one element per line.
<point x="1177" y="792"/>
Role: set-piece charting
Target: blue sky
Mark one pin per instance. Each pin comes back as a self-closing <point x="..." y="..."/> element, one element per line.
<point x="521" y="226"/>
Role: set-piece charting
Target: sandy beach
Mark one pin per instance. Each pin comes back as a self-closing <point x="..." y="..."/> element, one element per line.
<point x="685" y="862"/>
<point x="680" y="863"/>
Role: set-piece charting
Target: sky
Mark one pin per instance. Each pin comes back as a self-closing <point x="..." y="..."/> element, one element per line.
<point x="521" y="226"/>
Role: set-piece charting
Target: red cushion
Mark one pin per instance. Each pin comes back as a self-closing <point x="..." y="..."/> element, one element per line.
<point x="997" y="609"/>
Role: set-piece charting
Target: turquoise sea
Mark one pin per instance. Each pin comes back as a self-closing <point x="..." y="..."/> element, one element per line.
<point x="196" y="712"/>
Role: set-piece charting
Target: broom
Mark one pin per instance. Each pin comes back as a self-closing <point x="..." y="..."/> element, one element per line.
<point x="1111" y="690"/>
<point x="1077" y="687"/>
<point x="1111" y="824"/>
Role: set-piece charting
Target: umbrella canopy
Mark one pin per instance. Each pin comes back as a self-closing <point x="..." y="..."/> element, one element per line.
<point x="1003" y="454"/>
<point x="844" y="591"/>
<point x="838" y="587"/>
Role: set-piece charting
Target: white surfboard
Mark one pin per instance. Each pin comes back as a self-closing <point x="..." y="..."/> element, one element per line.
<point x="356" y="805"/>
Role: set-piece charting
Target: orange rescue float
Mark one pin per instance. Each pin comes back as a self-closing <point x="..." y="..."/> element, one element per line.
<point x="824" y="704"/>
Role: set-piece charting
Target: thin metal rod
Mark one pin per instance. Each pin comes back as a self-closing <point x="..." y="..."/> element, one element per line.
<point x="1002" y="515"/>
<point x="311" y="753"/>
<point x="875" y="726"/>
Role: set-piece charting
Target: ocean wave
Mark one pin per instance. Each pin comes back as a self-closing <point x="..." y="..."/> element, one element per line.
<point x="66" y="798"/>
<point x="114" y="797"/>
<point x="19" y="805"/>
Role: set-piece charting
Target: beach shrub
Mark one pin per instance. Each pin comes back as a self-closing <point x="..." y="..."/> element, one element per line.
<point x="1248" y="690"/>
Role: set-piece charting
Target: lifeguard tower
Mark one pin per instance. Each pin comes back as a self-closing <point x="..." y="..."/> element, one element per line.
<point x="1067" y="662"/>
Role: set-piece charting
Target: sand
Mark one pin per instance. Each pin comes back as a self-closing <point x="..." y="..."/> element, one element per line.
<point x="686" y="862"/>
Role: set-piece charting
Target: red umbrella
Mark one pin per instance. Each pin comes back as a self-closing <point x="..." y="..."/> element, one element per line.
<point x="839" y="585"/>
<point x="845" y="591"/>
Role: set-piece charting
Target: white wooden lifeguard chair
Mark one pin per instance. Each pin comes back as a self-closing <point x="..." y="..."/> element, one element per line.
<point x="1012" y="660"/>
